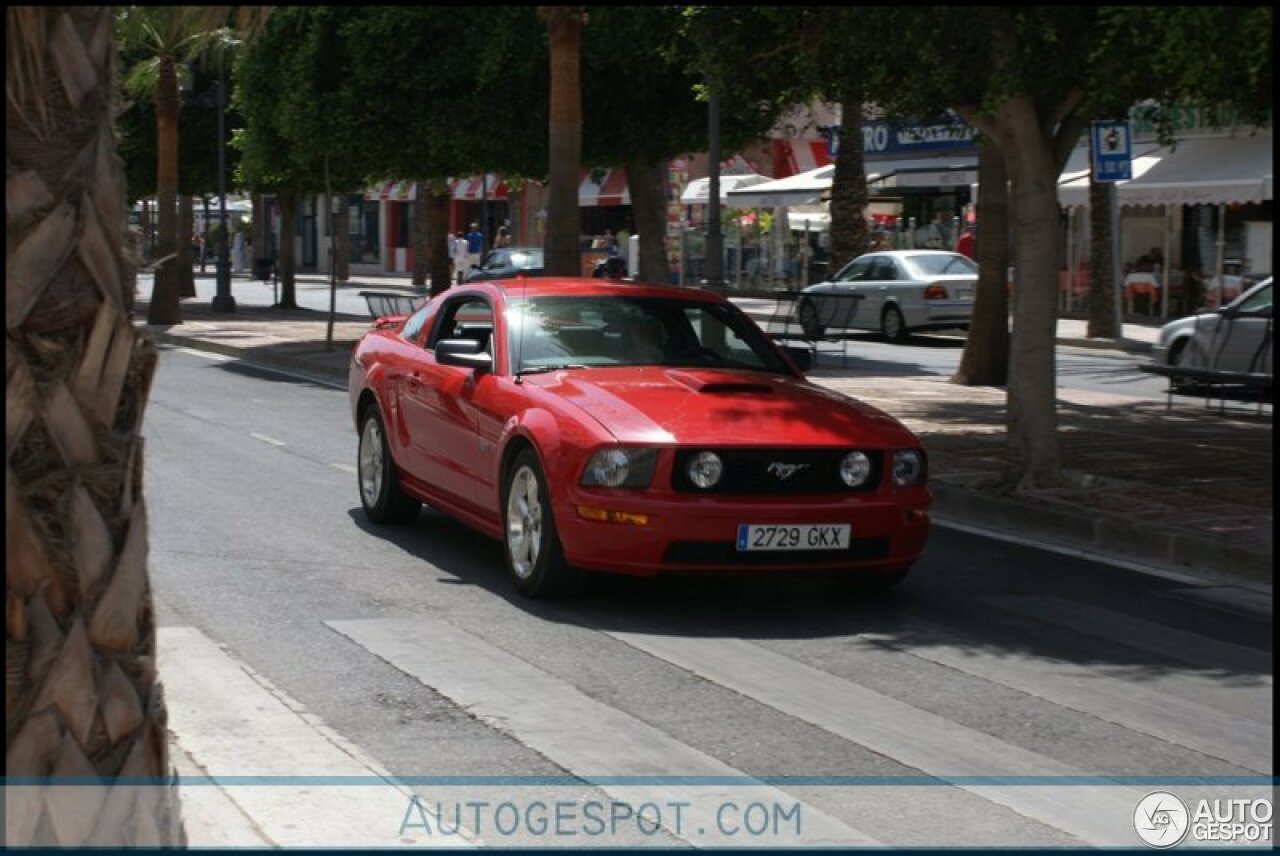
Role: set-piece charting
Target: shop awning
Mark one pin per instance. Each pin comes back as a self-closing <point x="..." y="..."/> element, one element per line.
<point x="698" y="192"/>
<point x="393" y="191"/>
<point x="793" y="157"/>
<point x="611" y="189"/>
<point x="792" y="190"/>
<point x="1197" y="171"/>
<point x="476" y="190"/>
<point x="953" y="171"/>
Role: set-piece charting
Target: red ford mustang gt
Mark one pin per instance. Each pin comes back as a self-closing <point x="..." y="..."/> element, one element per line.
<point x="636" y="429"/>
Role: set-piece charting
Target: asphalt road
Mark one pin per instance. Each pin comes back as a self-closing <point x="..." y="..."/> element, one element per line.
<point x="912" y="721"/>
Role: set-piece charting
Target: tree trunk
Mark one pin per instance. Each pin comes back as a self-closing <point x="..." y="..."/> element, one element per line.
<point x="849" y="235"/>
<point x="1102" y="277"/>
<point x="422" y="246"/>
<point x="82" y="696"/>
<point x="286" y="264"/>
<point x="649" y="213"/>
<point x="258" y="228"/>
<point x="564" y="141"/>
<point x="985" y="361"/>
<point x="205" y="245"/>
<point x="165" y="307"/>
<point x="438" y="234"/>
<point x="343" y="240"/>
<point x="1032" y="412"/>
<point x="186" y="231"/>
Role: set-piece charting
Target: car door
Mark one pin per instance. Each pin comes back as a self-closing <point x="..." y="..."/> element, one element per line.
<point x="1243" y="340"/>
<point x="879" y="278"/>
<point x="444" y="446"/>
<point x="851" y="279"/>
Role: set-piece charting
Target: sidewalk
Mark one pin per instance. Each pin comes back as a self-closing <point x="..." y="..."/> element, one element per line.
<point x="1182" y="490"/>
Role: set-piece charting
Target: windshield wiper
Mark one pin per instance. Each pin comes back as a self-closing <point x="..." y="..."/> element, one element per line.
<point x="554" y="368"/>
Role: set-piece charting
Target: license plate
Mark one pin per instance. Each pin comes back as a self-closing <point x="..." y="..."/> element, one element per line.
<point x="804" y="536"/>
<point x="964" y="293"/>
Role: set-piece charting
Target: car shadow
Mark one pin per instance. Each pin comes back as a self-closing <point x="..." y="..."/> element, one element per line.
<point x="958" y="596"/>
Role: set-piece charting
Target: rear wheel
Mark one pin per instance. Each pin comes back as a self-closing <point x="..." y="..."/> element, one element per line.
<point x="380" y="492"/>
<point x="807" y="313"/>
<point x="531" y="547"/>
<point x="892" y="324"/>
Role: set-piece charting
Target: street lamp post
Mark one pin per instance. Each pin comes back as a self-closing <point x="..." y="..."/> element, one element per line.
<point x="222" y="299"/>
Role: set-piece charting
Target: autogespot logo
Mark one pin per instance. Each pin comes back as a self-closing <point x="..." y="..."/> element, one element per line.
<point x="1161" y="819"/>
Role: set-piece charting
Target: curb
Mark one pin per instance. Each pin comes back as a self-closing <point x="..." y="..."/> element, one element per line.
<point x="295" y="365"/>
<point x="1097" y="534"/>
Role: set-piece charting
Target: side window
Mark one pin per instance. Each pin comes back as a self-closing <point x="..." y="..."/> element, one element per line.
<point x="464" y="318"/>
<point x="855" y="270"/>
<point x="413" y="327"/>
<point x="885" y="270"/>
<point x="1258" y="304"/>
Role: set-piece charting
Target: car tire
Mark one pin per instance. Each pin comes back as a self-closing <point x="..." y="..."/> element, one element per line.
<point x="376" y="475"/>
<point x="892" y="324"/>
<point x="807" y="314"/>
<point x="531" y="548"/>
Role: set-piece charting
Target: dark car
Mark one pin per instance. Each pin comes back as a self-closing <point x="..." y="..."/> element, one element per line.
<point x="506" y="262"/>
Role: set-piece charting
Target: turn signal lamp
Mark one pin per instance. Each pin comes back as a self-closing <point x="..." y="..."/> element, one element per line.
<point x="605" y="515"/>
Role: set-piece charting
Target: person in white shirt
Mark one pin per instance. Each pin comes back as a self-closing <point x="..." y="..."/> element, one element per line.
<point x="461" y="258"/>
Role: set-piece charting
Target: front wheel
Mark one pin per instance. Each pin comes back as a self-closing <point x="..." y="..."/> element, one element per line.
<point x="531" y="547"/>
<point x="807" y="312"/>
<point x="892" y="324"/>
<point x="380" y="492"/>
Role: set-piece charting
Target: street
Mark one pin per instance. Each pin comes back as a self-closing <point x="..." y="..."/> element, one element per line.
<point x="1004" y="696"/>
<point x="925" y="354"/>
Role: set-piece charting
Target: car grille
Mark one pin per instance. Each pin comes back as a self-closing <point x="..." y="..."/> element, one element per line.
<point x="725" y="554"/>
<point x="761" y="472"/>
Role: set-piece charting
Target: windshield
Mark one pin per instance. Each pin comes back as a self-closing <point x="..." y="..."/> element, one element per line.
<point x="925" y="265"/>
<point x="598" y="331"/>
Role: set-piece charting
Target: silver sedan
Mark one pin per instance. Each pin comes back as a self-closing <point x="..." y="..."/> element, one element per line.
<point x="1235" y="338"/>
<point x="897" y="292"/>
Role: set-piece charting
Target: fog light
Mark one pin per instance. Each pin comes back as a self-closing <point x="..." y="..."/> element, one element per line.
<point x="855" y="468"/>
<point x="705" y="469"/>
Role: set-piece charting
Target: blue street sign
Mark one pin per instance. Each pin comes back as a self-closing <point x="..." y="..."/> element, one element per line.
<point x="1112" y="151"/>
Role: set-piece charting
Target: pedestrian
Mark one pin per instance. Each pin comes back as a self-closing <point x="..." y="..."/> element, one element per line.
<point x="502" y="239"/>
<point x="461" y="258"/>
<point x="475" y="243"/>
<point x="237" y="252"/>
<point x="967" y="243"/>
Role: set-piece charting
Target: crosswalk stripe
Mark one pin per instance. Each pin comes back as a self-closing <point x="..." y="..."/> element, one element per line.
<point x="1125" y="702"/>
<point x="232" y="724"/>
<point x="1138" y="633"/>
<point x="917" y="738"/>
<point x="586" y="737"/>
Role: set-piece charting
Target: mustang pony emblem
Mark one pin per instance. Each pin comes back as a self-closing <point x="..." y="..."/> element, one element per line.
<point x="785" y="471"/>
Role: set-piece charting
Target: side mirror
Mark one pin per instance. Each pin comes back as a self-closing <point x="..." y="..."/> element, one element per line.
<point x="466" y="353"/>
<point x="802" y="358"/>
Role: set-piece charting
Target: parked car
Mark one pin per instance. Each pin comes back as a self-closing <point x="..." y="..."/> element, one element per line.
<point x="599" y="426"/>
<point x="506" y="262"/>
<point x="901" y="291"/>
<point x="1236" y="337"/>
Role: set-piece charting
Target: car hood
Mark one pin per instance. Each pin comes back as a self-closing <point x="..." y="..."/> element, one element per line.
<point x="719" y="407"/>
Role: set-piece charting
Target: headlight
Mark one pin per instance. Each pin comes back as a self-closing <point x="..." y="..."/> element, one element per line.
<point x="705" y="469"/>
<point x="908" y="467"/>
<point x="855" y="468"/>
<point x="620" y="467"/>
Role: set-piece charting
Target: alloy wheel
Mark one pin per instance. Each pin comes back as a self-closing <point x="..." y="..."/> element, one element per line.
<point x="524" y="522"/>
<point x="369" y="463"/>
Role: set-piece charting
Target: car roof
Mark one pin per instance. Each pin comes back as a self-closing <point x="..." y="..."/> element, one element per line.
<point x="570" y="286"/>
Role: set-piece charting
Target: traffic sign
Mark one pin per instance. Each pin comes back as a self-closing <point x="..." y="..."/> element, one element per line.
<point x="1112" y="151"/>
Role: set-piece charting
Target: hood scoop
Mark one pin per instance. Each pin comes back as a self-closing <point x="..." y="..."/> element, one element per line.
<point x="715" y="383"/>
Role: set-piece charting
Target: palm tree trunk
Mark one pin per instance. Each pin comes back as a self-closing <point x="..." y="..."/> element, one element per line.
<point x="849" y="237"/>
<point x="985" y="361"/>
<point x="564" y="141"/>
<point x="81" y="691"/>
<point x="165" y="307"/>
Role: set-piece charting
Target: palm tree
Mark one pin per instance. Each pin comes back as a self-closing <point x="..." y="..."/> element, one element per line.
<point x="169" y="36"/>
<point x="81" y="691"/>
<point x="564" y="143"/>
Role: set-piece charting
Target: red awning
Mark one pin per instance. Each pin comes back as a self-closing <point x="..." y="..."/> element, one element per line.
<point x="792" y="157"/>
<point x="474" y="190"/>
<point x="610" y="190"/>
<point x="393" y="191"/>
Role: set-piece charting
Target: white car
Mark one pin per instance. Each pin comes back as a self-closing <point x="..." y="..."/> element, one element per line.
<point x="1235" y="338"/>
<point x="897" y="292"/>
